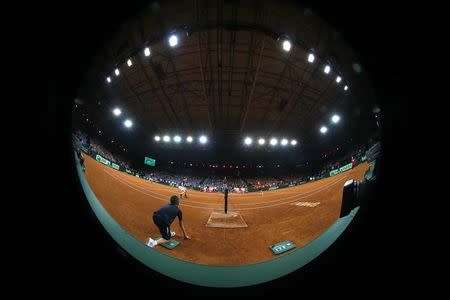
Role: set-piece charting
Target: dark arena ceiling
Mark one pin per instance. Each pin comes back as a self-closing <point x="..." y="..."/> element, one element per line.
<point x="228" y="76"/>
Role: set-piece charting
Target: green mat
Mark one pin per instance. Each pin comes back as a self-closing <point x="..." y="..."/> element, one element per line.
<point x="282" y="247"/>
<point x="169" y="245"/>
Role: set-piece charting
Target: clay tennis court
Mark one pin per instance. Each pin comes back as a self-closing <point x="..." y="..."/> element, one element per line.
<point x="274" y="217"/>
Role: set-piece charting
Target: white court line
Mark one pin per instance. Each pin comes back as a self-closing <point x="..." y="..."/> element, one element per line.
<point x="209" y="208"/>
<point x="317" y="191"/>
<point x="201" y="207"/>
<point x="281" y="201"/>
<point x="256" y="203"/>
<point x="152" y="195"/>
<point x="206" y="194"/>
<point x="220" y="198"/>
<point x="216" y="194"/>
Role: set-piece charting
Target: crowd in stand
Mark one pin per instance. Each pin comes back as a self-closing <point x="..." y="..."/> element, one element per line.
<point x="236" y="183"/>
<point x="189" y="181"/>
<point x="80" y="139"/>
<point x="102" y="151"/>
<point x="292" y="179"/>
<point x="264" y="181"/>
<point x="213" y="183"/>
<point x="108" y="155"/>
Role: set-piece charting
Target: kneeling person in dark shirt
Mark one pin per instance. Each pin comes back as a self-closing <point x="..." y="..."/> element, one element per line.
<point x="163" y="218"/>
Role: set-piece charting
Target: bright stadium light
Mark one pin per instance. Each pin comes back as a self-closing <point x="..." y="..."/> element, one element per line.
<point x="128" y="123"/>
<point x="173" y="40"/>
<point x="248" y="141"/>
<point x="157" y="138"/>
<point x="189" y="139"/>
<point x="177" y="139"/>
<point x="335" y="119"/>
<point x="338" y="79"/>
<point x="273" y="141"/>
<point x="166" y="138"/>
<point x="345" y="88"/>
<point x="293" y="142"/>
<point x="203" y="139"/>
<point x="286" y="45"/>
<point x="311" y="58"/>
<point x="327" y="69"/>
<point x="261" y="141"/>
<point x="117" y="112"/>
<point x="147" y="51"/>
<point x="129" y="63"/>
<point x="323" y="129"/>
<point x="116" y="71"/>
<point x="284" y="142"/>
<point x="108" y="79"/>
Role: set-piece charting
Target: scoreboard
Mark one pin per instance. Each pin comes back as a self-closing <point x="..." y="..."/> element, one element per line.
<point x="150" y="161"/>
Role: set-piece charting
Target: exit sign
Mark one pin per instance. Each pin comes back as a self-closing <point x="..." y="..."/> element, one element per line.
<point x="282" y="247"/>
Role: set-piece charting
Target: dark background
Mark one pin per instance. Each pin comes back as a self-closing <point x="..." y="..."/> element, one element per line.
<point x="372" y="257"/>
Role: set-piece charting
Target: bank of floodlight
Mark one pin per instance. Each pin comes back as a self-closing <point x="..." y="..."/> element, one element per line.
<point x="128" y="123"/>
<point x="287" y="45"/>
<point x="335" y="119"/>
<point x="117" y="112"/>
<point x="173" y="40"/>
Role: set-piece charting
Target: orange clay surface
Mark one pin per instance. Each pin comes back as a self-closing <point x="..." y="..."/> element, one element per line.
<point x="271" y="218"/>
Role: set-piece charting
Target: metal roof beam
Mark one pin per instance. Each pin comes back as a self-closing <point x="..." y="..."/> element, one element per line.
<point x="250" y="97"/>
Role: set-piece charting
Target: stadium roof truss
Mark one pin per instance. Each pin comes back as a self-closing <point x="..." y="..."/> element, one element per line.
<point x="229" y="72"/>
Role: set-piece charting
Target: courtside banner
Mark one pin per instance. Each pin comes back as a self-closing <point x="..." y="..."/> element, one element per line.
<point x="334" y="172"/>
<point x="346" y="167"/>
<point x="102" y="160"/>
<point x="115" y="166"/>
